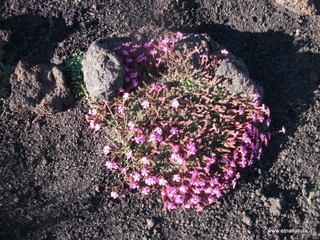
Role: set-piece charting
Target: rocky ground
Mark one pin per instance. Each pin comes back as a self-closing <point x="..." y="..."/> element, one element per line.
<point x="52" y="174"/>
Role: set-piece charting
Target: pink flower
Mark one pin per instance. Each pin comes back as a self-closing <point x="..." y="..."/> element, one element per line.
<point x="159" y="137"/>
<point x="127" y="44"/>
<point x="114" y="195"/>
<point x="132" y="50"/>
<point x="145" y="191"/>
<point x="246" y="138"/>
<point x="133" y="185"/>
<point x="92" y="112"/>
<point x="125" y="96"/>
<point x="92" y="124"/>
<point x="145" y="172"/>
<point x="199" y="208"/>
<point x="178" y="199"/>
<point x="135" y="176"/>
<point x="175" y="103"/>
<point x="133" y="74"/>
<point x="129" y="155"/>
<point x="158" y="130"/>
<point x="268" y="122"/>
<point x="97" y="127"/>
<point x="176" y="178"/>
<point x="148" y="44"/>
<point x="151" y="181"/>
<point x="214" y="181"/>
<point x="106" y="150"/>
<point x="155" y="87"/>
<point x="129" y="60"/>
<point x="137" y="130"/>
<point x="194" y="200"/>
<point x="283" y="130"/>
<point x="141" y="58"/>
<point x="241" y="110"/>
<point x="179" y="35"/>
<point x="224" y="52"/>
<point x="111" y="165"/>
<point x="152" y="137"/>
<point x="215" y="128"/>
<point x="135" y="83"/>
<point x="145" y="104"/>
<point x="121" y="90"/>
<point x="212" y="160"/>
<point x="145" y="160"/>
<point x="170" y="206"/>
<point x="176" y="149"/>
<point x="140" y="138"/>
<point x="121" y="109"/>
<point x="174" y="130"/>
<point x="177" y="159"/>
<point x="217" y="192"/>
<point x="183" y="189"/>
<point x="165" y="87"/>
<point x="131" y="125"/>
<point x="191" y="146"/>
<point x="153" y="52"/>
<point x="162" y="182"/>
<point x="125" y="52"/>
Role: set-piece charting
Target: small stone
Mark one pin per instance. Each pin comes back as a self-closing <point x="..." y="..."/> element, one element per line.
<point x="258" y="192"/>
<point x="247" y="220"/>
<point x="275" y="206"/>
<point x="16" y="200"/>
<point x="150" y="223"/>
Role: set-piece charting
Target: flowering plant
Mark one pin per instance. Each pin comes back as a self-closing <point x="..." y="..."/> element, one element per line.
<point x="175" y="128"/>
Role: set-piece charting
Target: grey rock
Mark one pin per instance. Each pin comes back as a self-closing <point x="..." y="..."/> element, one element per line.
<point x="39" y="88"/>
<point x="232" y="69"/>
<point x="247" y="220"/>
<point x="275" y="206"/>
<point x="102" y="71"/>
<point x="237" y="79"/>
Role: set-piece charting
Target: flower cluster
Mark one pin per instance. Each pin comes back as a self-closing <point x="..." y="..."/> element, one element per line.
<point x="178" y="130"/>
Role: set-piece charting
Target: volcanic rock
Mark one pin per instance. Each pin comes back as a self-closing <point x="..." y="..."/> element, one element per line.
<point x="232" y="69"/>
<point x="39" y="88"/>
<point x="102" y="71"/>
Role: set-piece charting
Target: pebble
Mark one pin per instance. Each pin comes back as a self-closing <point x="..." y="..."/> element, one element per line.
<point x="275" y="206"/>
<point x="16" y="200"/>
<point x="258" y="192"/>
<point x="150" y="223"/>
<point x="247" y="220"/>
<point x="317" y="149"/>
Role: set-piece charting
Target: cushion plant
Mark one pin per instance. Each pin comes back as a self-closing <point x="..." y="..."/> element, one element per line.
<point x="175" y="128"/>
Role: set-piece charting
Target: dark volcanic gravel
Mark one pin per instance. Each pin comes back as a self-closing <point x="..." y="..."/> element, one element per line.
<point x="52" y="175"/>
